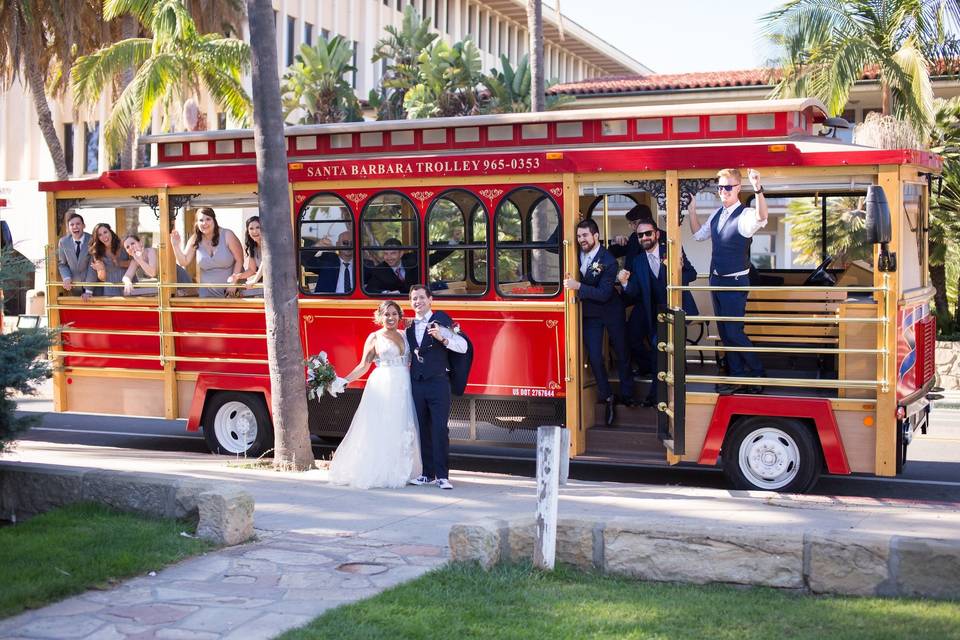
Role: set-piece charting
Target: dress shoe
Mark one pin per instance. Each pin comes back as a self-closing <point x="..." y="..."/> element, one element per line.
<point x="629" y="402"/>
<point x="730" y="389"/>
<point x="754" y="389"/>
<point x="648" y="402"/>
<point x="611" y="414"/>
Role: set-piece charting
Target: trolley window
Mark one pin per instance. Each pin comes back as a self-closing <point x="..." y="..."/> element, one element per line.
<point x="457" y="219"/>
<point x="326" y="246"/>
<point x="390" y="245"/>
<point x="528" y="244"/>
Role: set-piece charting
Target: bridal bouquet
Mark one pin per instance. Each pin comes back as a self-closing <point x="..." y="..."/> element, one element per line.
<point x="321" y="377"/>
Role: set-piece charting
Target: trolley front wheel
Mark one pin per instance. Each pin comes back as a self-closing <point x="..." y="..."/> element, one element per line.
<point x="771" y="454"/>
<point x="237" y="423"/>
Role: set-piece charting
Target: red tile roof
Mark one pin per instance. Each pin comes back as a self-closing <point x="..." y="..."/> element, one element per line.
<point x="764" y="77"/>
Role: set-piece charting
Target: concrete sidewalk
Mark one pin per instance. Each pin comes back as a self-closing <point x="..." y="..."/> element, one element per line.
<point x="320" y="546"/>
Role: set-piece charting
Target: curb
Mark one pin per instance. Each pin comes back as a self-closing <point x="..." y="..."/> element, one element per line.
<point x="831" y="562"/>
<point x="225" y="513"/>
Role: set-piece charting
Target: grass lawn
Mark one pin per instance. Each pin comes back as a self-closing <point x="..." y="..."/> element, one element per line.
<point x="462" y="602"/>
<point x="70" y="550"/>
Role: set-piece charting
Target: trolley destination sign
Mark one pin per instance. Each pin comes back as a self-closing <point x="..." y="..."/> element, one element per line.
<point x="409" y="168"/>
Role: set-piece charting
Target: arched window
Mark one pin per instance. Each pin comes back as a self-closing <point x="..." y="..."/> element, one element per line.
<point x="528" y="244"/>
<point x="389" y="245"/>
<point x="326" y="244"/>
<point x="457" y="245"/>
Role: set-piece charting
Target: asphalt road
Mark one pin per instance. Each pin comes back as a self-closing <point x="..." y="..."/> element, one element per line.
<point x="932" y="472"/>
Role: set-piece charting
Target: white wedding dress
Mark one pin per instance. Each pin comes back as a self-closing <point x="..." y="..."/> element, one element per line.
<point x="382" y="446"/>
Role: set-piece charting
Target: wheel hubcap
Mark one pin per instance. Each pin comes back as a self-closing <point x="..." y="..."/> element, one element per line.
<point x="235" y="427"/>
<point x="769" y="458"/>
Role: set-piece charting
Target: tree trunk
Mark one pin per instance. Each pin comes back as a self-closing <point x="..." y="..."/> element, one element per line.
<point x="535" y="27"/>
<point x="938" y="278"/>
<point x="284" y="352"/>
<point x="956" y="311"/>
<point x="37" y="89"/>
<point x="128" y="154"/>
<point x="884" y="98"/>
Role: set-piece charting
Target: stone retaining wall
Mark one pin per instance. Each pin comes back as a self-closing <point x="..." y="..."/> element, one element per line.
<point x="225" y="512"/>
<point x="948" y="364"/>
<point x="837" y="562"/>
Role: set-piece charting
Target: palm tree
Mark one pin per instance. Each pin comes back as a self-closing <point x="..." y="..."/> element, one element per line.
<point x="315" y="87"/>
<point x="40" y="40"/>
<point x="846" y="230"/>
<point x="535" y="27"/>
<point x="945" y="206"/>
<point x="400" y="50"/>
<point x="450" y="82"/>
<point x="826" y="46"/>
<point x="173" y="65"/>
<point x="288" y="388"/>
<point x="510" y="88"/>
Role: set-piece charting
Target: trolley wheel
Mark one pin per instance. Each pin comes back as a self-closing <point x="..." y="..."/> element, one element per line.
<point x="237" y="424"/>
<point x="771" y="454"/>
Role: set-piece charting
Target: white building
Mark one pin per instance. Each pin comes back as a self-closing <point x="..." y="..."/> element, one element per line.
<point x="498" y="26"/>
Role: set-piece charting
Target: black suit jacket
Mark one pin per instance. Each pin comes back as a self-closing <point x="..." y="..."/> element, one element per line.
<point x="383" y="278"/>
<point x="327" y="268"/>
<point x="597" y="288"/>
<point x="647" y="293"/>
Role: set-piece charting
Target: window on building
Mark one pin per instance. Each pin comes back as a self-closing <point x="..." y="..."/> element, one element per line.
<point x="470" y="19"/>
<point x="68" y="146"/>
<point x="325" y="34"/>
<point x="480" y="29"/>
<point x="291" y="44"/>
<point x="436" y="14"/>
<point x="447" y="16"/>
<point x="353" y="75"/>
<point x="308" y="33"/>
<point x="91" y="145"/>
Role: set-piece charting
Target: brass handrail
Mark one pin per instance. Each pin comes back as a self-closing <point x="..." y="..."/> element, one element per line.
<point x="815" y="383"/>
<point x="798" y="319"/>
<point x="819" y="289"/>
<point x="702" y="347"/>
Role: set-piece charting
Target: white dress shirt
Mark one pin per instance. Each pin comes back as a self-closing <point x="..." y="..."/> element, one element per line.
<point x="455" y="342"/>
<point x="748" y="224"/>
<point x="586" y="259"/>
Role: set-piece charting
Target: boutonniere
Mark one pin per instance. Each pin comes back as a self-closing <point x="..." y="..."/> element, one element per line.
<point x="596" y="268"/>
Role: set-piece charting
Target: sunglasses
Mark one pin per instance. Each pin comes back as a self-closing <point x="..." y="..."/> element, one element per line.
<point x="646" y="234"/>
<point x="727" y="187"/>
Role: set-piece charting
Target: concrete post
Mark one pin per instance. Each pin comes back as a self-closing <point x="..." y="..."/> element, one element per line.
<point x="564" y="456"/>
<point x="548" y="492"/>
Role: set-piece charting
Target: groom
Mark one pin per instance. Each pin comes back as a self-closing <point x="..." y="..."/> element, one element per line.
<point x="430" y="337"/>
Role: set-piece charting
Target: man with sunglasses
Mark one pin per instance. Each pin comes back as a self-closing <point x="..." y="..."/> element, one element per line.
<point x="730" y="229"/>
<point x="644" y="285"/>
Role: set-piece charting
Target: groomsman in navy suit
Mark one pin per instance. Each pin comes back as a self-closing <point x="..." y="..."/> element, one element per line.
<point x="730" y="229"/>
<point x="645" y="285"/>
<point x="602" y="309"/>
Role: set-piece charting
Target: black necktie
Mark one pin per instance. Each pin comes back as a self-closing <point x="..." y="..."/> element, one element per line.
<point x="347" y="281"/>
<point x="78" y="248"/>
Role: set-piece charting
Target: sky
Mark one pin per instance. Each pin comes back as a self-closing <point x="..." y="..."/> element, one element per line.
<point x="676" y="36"/>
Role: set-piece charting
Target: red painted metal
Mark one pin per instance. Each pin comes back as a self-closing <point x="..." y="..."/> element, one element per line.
<point x="207" y="382"/>
<point x="817" y="409"/>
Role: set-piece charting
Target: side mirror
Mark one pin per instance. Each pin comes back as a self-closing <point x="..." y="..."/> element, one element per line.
<point x="878" y="216"/>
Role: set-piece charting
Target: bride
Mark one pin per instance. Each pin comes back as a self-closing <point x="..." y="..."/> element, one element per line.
<point x="382" y="447"/>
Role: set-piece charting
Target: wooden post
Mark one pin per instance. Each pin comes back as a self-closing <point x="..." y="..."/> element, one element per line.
<point x="548" y="493"/>
<point x="564" y="456"/>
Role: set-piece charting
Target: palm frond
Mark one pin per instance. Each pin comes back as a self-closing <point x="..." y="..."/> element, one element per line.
<point x="94" y="72"/>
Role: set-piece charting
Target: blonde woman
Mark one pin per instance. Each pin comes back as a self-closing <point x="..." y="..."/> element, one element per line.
<point x="382" y="446"/>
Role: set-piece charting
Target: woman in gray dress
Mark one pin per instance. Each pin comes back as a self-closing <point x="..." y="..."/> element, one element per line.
<point x="108" y="260"/>
<point x="217" y="250"/>
<point x="253" y="258"/>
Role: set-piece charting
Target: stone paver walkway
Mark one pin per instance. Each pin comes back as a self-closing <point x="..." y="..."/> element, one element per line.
<point x="256" y="590"/>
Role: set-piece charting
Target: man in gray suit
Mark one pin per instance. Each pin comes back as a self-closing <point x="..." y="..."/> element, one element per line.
<point x="73" y="256"/>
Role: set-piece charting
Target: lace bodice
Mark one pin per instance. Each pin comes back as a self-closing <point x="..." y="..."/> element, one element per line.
<point x="388" y="353"/>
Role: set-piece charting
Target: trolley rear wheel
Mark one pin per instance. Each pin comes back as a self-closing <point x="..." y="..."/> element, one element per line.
<point x="237" y="423"/>
<point x="771" y="454"/>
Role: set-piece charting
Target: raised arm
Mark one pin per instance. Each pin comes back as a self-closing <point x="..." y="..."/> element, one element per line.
<point x="184" y="255"/>
<point x="692" y="215"/>
<point x="369" y="353"/>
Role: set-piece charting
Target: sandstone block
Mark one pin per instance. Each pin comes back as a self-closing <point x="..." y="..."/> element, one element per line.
<point x="838" y="562"/>
<point x="704" y="554"/>
<point x="519" y="539"/>
<point x="29" y="489"/>
<point x="479" y="542"/>
<point x="150" y="494"/>
<point x="926" y="567"/>
<point x="226" y="516"/>
<point x="575" y="542"/>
